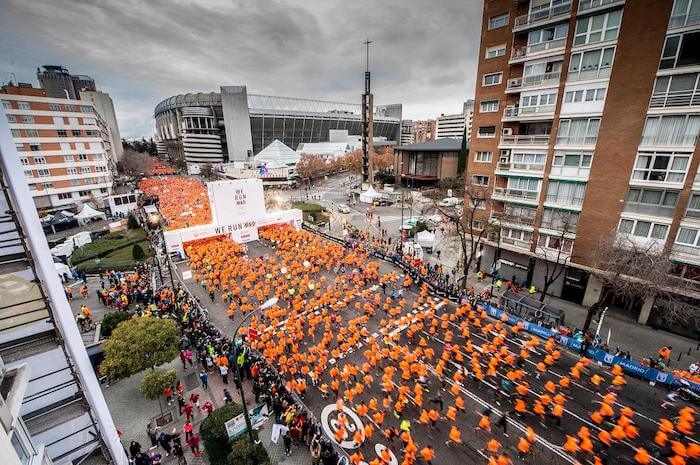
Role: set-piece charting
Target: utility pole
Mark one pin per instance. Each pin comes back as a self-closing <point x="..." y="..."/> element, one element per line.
<point x="367" y="124"/>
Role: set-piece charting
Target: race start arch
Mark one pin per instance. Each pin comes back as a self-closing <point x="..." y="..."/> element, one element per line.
<point x="238" y="210"/>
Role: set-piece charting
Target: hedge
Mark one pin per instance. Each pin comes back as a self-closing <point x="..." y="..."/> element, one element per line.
<point x="106" y="245"/>
<point x="119" y="260"/>
<point x="219" y="449"/>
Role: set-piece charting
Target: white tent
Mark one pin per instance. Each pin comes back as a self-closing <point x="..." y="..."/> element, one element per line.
<point x="370" y="195"/>
<point x="277" y="155"/>
<point x="88" y="214"/>
<point x="61" y="269"/>
<point x="425" y="239"/>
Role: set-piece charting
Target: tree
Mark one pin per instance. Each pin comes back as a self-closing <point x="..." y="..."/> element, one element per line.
<point x="630" y="269"/>
<point x="351" y="161"/>
<point x="155" y="381"/>
<point x="206" y="170"/>
<point x="132" y="222"/>
<point x="135" y="163"/>
<point x="556" y="258"/>
<point x="137" y="252"/>
<point x="138" y="344"/>
<point x="243" y="453"/>
<point x="151" y="148"/>
<point x="111" y="320"/>
<point x="214" y="434"/>
<point x="311" y="166"/>
<point x="383" y="159"/>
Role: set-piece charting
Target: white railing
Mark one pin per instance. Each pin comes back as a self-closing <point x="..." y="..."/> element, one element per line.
<point x="684" y="98"/>
<point x="516" y="242"/>
<point x="517" y="194"/>
<point x="568" y="201"/>
<point x="515" y="112"/>
<point x="588" y="4"/>
<point x="524" y="139"/>
<point x="534" y="80"/>
<point x="593" y="72"/>
<point x="686" y="249"/>
<point x="543" y="15"/>
<point x="513" y="219"/>
<point x="514" y="166"/>
<point x="522" y="52"/>
<point x="683" y="20"/>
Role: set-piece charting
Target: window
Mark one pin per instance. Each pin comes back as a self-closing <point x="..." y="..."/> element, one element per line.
<point x="100" y="169"/>
<point x="76" y="182"/>
<point x="19" y="147"/>
<point x="83" y="157"/>
<point x="661" y="167"/>
<point x="643" y="229"/>
<point x="39" y="160"/>
<point x="488" y="106"/>
<point x="688" y="236"/>
<point x="652" y="197"/>
<point x="85" y="169"/>
<point x="566" y="193"/>
<point x="89" y="121"/>
<point x="561" y="220"/>
<point x="6" y="105"/>
<point x="555" y="243"/>
<point x="486" y="131"/>
<point x="70" y="108"/>
<point x="678" y="90"/>
<point x="492" y="79"/>
<point x="496" y="51"/>
<point x="480" y="180"/>
<point x="29" y="173"/>
<point x="34" y="147"/>
<point x="498" y="21"/>
<point x="75" y="132"/>
<point x="579" y="160"/>
<point x="587" y="95"/>
<point x="16" y="133"/>
<point x="62" y="133"/>
<point x="548" y="34"/>
<point x="524" y="184"/>
<point x="103" y="190"/>
<point x="579" y="131"/>
<point x="11" y="119"/>
<point x="529" y="158"/>
<point x="86" y="109"/>
<point x="72" y="170"/>
<point x="685" y="13"/>
<point x="681" y="50"/>
<point x="477" y="225"/>
<point x="678" y="130"/>
<point x="54" y="107"/>
<point x="23" y="106"/>
<point x="24" y="161"/>
<point x="65" y="195"/>
<point x="516" y="234"/>
<point x="483" y="157"/>
<point x="541" y="100"/>
<point x="597" y="28"/>
<point x="31" y="132"/>
<point x="43" y="173"/>
<point x="591" y="64"/>
<point x="84" y="193"/>
<point x="97" y="156"/>
<point x="693" y="206"/>
<point x="27" y="119"/>
<point x="68" y="158"/>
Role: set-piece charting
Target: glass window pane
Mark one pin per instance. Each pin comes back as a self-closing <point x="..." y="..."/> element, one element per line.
<point x="670" y="199"/>
<point x="694" y="203"/>
<point x="651" y="197"/>
<point x="633" y="195"/>
<point x="626" y="226"/>
<point x="687" y="236"/>
<point x="642" y="228"/>
<point x="659" y="231"/>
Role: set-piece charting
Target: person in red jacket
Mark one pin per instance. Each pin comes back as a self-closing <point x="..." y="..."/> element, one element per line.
<point x="193" y="442"/>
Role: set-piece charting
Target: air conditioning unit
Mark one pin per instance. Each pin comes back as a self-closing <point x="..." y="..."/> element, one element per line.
<point x="507" y="131"/>
<point x="505" y="153"/>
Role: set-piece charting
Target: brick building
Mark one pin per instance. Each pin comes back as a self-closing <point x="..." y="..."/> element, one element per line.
<point x="62" y="146"/>
<point x="586" y="121"/>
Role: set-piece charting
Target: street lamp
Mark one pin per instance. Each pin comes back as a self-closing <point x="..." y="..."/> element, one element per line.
<point x="269" y="303"/>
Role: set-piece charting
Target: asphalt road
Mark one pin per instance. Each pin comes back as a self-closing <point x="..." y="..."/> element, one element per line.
<point x="644" y="399"/>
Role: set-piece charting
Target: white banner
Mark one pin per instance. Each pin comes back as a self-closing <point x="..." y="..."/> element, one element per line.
<point x="233" y="200"/>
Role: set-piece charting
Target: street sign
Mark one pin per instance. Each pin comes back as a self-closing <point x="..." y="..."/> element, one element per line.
<point x="235" y="427"/>
<point x="253" y="334"/>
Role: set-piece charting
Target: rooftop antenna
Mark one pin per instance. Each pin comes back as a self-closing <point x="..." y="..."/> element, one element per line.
<point x="367" y="124"/>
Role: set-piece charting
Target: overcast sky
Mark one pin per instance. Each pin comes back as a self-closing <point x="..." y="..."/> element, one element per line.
<point x="141" y="52"/>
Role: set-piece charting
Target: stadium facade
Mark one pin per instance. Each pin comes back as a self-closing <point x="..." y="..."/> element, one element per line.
<point x="233" y="126"/>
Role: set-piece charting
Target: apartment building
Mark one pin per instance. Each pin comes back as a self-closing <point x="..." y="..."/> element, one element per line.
<point x="52" y="410"/>
<point x="62" y="144"/>
<point x="586" y="121"/>
<point x="423" y="130"/>
<point x="452" y="126"/>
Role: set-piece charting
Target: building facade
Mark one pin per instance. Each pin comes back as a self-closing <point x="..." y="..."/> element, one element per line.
<point x="60" y="83"/>
<point x="61" y="145"/>
<point x="51" y="407"/>
<point x="423" y="130"/>
<point x="426" y="163"/>
<point x="104" y="106"/>
<point x="233" y="126"/>
<point x="406" y="133"/>
<point x="453" y="126"/>
<point x="586" y="121"/>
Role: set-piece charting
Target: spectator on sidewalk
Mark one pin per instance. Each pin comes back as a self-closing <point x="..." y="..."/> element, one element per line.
<point x="204" y="378"/>
<point x="152" y="432"/>
<point x="287" y="443"/>
<point x="134" y="449"/>
<point x="193" y="442"/>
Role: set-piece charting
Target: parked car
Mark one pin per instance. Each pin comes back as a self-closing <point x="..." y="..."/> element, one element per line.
<point x="342" y="208"/>
<point x="450" y="202"/>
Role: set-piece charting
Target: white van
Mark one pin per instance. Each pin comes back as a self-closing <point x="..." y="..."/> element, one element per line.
<point x="450" y="202"/>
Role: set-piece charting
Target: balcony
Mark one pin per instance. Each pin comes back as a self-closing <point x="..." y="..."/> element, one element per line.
<point x="541" y="17"/>
<point x="662" y="211"/>
<point x="663" y="141"/>
<point x="559" y="225"/>
<point x="584" y="5"/>
<point x="683" y="249"/>
<point x="519" y="243"/>
<point x="524" y="139"/>
<point x="527" y="167"/>
<point x="506" y="218"/>
<point x="685" y="98"/>
<point x="568" y="201"/>
<point x="577" y="140"/>
<point x="523" y="53"/>
<point x="684" y="20"/>
<point x="541" y="112"/>
<point x="518" y="195"/>
<point x="570" y="172"/>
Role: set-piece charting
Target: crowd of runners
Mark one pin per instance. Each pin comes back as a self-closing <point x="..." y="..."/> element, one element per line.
<point x="407" y="367"/>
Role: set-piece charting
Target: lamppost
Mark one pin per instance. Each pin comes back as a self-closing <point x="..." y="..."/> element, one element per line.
<point x="269" y="303"/>
<point x="496" y="259"/>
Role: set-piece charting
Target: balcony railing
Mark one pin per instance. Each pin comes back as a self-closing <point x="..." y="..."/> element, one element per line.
<point x="514" y="166"/>
<point x="686" y="249"/>
<point x="694" y="214"/>
<point x="517" y="194"/>
<point x="559" y="226"/>
<point x="534" y="80"/>
<point x="517" y="112"/>
<point x="684" y="98"/>
<point x="522" y="52"/>
<point x="588" y="4"/>
<point x="513" y="219"/>
<point x="662" y="211"/>
<point x="578" y="172"/>
<point x="565" y="201"/>
<point x="577" y="140"/>
<point x="680" y="141"/>
<point x="543" y="15"/>
<point x="683" y="20"/>
<point x="525" y="139"/>
<point x="516" y="242"/>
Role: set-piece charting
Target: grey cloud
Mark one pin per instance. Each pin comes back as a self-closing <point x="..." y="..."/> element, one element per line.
<point x="423" y="54"/>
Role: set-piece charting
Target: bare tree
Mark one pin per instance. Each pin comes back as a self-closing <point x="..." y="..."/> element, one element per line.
<point x="556" y="258"/>
<point x="631" y="269"/>
<point x="207" y="171"/>
<point x="135" y="163"/>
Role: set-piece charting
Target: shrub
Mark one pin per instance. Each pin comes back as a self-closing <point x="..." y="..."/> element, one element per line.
<point x="132" y="222"/>
<point x="421" y="225"/>
<point x="214" y="435"/>
<point x="112" y="320"/>
<point x="243" y="453"/>
<point x="106" y="245"/>
<point x="138" y="253"/>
